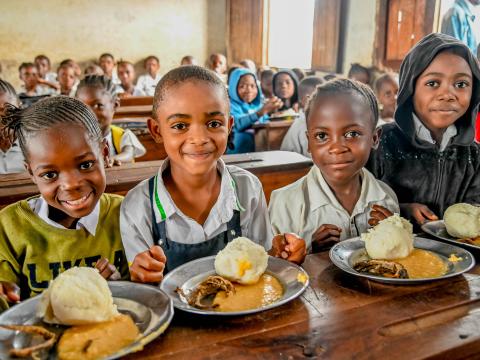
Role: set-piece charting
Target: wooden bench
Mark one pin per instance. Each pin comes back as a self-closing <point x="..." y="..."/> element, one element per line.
<point x="274" y="169"/>
<point x="269" y="135"/>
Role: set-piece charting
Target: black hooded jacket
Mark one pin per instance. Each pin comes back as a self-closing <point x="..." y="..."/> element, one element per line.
<point x="294" y="98"/>
<point x="415" y="169"/>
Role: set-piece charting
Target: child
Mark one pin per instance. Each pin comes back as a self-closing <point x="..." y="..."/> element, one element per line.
<point x="195" y="204"/>
<point x="93" y="69"/>
<point x="359" y="73"/>
<point x="285" y="87"/>
<point x="126" y="75"/>
<point x="266" y="81"/>
<point x="246" y="107"/>
<point x="147" y="83"/>
<point x="67" y="80"/>
<point x="31" y="86"/>
<point x="296" y="139"/>
<point x="188" y="60"/>
<point x="107" y="63"/>
<point x="72" y="222"/>
<point x="98" y="92"/>
<point x="428" y="156"/>
<point x="46" y="77"/>
<point x="386" y="90"/>
<point x="11" y="158"/>
<point x="218" y="63"/>
<point x="333" y="201"/>
<point x="249" y="64"/>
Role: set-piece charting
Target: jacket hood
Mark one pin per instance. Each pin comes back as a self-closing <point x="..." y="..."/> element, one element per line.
<point x="233" y="81"/>
<point x="416" y="61"/>
<point x="295" y="83"/>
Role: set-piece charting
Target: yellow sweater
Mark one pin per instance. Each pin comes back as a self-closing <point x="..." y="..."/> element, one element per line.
<point x="33" y="252"/>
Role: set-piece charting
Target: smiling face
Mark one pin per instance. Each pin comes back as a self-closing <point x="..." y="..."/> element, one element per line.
<point x="193" y="122"/>
<point x="387" y="96"/>
<point x="43" y="66"/>
<point x="247" y="88"/>
<point x="284" y="86"/>
<point x="68" y="168"/>
<point x="107" y="64"/>
<point x="152" y="66"/>
<point x="101" y="104"/>
<point x="66" y="78"/>
<point x="126" y="74"/>
<point x="340" y="134"/>
<point x="29" y="75"/>
<point x="443" y="91"/>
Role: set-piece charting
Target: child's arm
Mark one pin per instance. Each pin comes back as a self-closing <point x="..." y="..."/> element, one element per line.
<point x="10" y="291"/>
<point x="131" y="148"/>
<point x="148" y="266"/>
<point x="325" y="237"/>
<point x="48" y="83"/>
<point x="419" y="212"/>
<point x="126" y="156"/>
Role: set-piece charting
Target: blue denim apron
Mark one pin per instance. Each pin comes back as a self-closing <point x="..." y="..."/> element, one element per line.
<point x="177" y="253"/>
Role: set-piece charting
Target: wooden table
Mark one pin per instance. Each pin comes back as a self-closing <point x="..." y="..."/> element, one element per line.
<point x="274" y="169"/>
<point x="269" y="135"/>
<point x="133" y="111"/>
<point x="338" y="317"/>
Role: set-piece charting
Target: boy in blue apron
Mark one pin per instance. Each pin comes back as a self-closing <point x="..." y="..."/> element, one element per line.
<point x="196" y="204"/>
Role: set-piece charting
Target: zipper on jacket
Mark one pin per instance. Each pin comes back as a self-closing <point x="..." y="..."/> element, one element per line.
<point x="441" y="164"/>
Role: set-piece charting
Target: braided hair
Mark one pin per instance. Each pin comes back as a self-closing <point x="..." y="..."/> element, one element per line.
<point x="47" y="113"/>
<point x="100" y="82"/>
<point x="346" y="86"/>
<point x="7" y="88"/>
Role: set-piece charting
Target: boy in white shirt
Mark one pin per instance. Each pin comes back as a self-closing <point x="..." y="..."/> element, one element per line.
<point x="146" y="83"/>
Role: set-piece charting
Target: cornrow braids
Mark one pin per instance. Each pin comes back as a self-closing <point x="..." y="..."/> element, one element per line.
<point x="345" y="86"/>
<point x="7" y="88"/>
<point x="181" y="75"/>
<point x="100" y="82"/>
<point x="47" y="113"/>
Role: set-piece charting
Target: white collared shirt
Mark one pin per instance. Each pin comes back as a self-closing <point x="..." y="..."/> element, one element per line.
<point x="422" y="132"/>
<point x="146" y="84"/>
<point x="239" y="190"/>
<point x="12" y="160"/>
<point x="128" y="139"/>
<point x="40" y="207"/>
<point x="308" y="203"/>
<point x="295" y="139"/>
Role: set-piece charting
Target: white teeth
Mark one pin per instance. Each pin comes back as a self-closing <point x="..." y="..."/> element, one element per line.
<point x="78" y="201"/>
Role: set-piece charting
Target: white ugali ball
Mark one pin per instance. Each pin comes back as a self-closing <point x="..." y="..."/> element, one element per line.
<point x="462" y="220"/>
<point x="242" y="261"/>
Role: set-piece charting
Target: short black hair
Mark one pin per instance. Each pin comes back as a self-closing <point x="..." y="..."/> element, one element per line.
<point x="42" y="57"/>
<point x="151" y="57"/>
<point x="47" y="113"/>
<point x="124" y="63"/>
<point x="7" y="88"/>
<point x="307" y="84"/>
<point x="345" y="86"/>
<point x="100" y="82"/>
<point x="383" y="79"/>
<point x="267" y="72"/>
<point x="107" y="55"/>
<point x="26" y="65"/>
<point x="184" y="74"/>
<point x="356" y="68"/>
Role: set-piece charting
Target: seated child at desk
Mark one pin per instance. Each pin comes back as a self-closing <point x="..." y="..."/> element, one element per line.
<point x="31" y="85"/>
<point x="146" y="83"/>
<point x="67" y="80"/>
<point x="126" y="75"/>
<point x="359" y="73"/>
<point x="45" y="75"/>
<point x="266" y="82"/>
<point x="428" y="156"/>
<point x="386" y="90"/>
<point x="98" y="92"/>
<point x="333" y="201"/>
<point x="107" y="63"/>
<point x="296" y="137"/>
<point x="72" y="222"/>
<point x="285" y="87"/>
<point x="247" y="107"/>
<point x="195" y="204"/>
<point x="11" y="157"/>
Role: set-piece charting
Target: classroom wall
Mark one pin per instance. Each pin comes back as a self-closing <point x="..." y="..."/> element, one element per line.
<point x="131" y="30"/>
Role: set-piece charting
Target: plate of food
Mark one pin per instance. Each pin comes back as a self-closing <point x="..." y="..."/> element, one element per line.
<point x="241" y="279"/>
<point x="82" y="316"/>
<point x="289" y="114"/>
<point x="460" y="225"/>
<point x="389" y="253"/>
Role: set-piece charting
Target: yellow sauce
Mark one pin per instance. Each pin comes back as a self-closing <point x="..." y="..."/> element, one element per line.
<point x="97" y="340"/>
<point x="423" y="264"/>
<point x="266" y="291"/>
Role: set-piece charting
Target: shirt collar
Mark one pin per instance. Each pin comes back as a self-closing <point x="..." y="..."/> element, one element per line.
<point x="88" y="222"/>
<point x="422" y="132"/>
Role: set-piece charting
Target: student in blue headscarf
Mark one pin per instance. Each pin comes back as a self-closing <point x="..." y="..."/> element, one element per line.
<point x="247" y="107"/>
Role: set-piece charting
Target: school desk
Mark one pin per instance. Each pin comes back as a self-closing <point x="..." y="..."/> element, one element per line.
<point x="338" y="317"/>
<point x="136" y="100"/>
<point x="269" y="135"/>
<point x="133" y="111"/>
<point x="274" y="169"/>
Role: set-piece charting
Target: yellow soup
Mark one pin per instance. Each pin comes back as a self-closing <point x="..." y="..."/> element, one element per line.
<point x="266" y="291"/>
<point x="423" y="264"/>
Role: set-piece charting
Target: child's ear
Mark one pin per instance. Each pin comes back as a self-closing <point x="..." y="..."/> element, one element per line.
<point x="30" y="172"/>
<point x="231" y="121"/>
<point x="116" y="103"/>
<point x="155" y="131"/>
<point x="376" y="137"/>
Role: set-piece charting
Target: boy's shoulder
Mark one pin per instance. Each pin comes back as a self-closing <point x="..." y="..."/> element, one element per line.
<point x="293" y="192"/>
<point x="112" y="200"/>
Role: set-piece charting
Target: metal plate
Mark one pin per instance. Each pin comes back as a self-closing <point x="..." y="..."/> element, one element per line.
<point x="189" y="275"/>
<point x="437" y="228"/>
<point x="150" y="308"/>
<point x="347" y="253"/>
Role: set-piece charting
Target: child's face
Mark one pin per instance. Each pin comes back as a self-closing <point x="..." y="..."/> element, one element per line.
<point x="267" y="86"/>
<point x="68" y="169"/>
<point x="101" y="104"/>
<point x="340" y="136"/>
<point x="126" y="74"/>
<point x="387" y="96"/>
<point x="152" y="66"/>
<point x="284" y="86"/>
<point x="107" y="64"/>
<point x="42" y="66"/>
<point x="219" y="64"/>
<point x="193" y="122"/>
<point x="66" y="77"/>
<point x="247" y="88"/>
<point x="29" y="75"/>
<point x="443" y="91"/>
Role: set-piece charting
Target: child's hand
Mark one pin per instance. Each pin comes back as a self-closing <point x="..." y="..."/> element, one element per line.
<point x="325" y="237"/>
<point x="10" y="291"/>
<point x="112" y="162"/>
<point x="148" y="266"/>
<point x="271" y="105"/>
<point x="290" y="247"/>
<point x="378" y="214"/>
<point x="107" y="270"/>
<point x="421" y="213"/>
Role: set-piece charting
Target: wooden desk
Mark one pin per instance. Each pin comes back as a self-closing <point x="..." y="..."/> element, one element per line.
<point x="269" y="135"/>
<point x="274" y="169"/>
<point x="133" y="111"/>
<point x="136" y="100"/>
<point x="338" y="317"/>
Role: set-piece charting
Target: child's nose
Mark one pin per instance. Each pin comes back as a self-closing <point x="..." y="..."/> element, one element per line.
<point x="337" y="146"/>
<point x="447" y="93"/>
<point x="198" y="134"/>
<point x="70" y="180"/>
